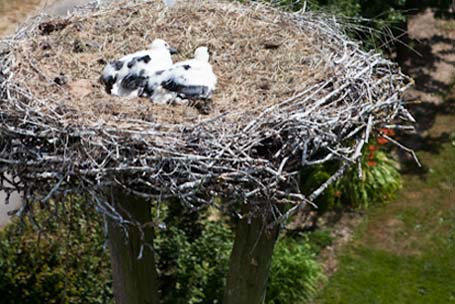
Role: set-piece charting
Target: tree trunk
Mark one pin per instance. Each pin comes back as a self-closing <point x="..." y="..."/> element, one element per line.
<point x="250" y="262"/>
<point x="135" y="281"/>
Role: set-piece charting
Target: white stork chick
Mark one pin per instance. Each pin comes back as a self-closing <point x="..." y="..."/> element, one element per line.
<point x="190" y="79"/>
<point x="128" y="75"/>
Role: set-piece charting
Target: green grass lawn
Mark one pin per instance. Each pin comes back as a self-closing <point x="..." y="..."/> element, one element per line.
<point x="404" y="252"/>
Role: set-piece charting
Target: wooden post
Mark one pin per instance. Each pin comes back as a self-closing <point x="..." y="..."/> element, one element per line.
<point x="250" y="262"/>
<point x="135" y="281"/>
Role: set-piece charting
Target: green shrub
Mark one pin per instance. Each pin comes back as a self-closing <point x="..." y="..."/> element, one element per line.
<point x="65" y="263"/>
<point x="194" y="271"/>
<point x="312" y="178"/>
<point x="319" y="239"/>
<point x="295" y="274"/>
<point x="379" y="182"/>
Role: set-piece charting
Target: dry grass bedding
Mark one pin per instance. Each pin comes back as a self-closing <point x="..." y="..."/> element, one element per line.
<point x="259" y="56"/>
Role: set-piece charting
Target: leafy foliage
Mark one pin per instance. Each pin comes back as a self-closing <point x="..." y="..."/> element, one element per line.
<point x="67" y="263"/>
<point x="385" y="10"/>
<point x="380" y="24"/>
<point x="319" y="239"/>
<point x="194" y="271"/>
<point x="295" y="274"/>
<point x="379" y="181"/>
<point x="312" y="178"/>
<point x="64" y="264"/>
<point x="193" y="262"/>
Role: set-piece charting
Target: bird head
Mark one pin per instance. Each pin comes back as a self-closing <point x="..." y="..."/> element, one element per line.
<point x="160" y="44"/>
<point x="202" y="54"/>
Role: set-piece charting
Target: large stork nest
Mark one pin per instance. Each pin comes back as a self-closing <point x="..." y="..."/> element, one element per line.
<point x="293" y="91"/>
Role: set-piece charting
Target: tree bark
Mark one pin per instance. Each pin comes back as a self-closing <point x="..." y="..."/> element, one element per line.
<point x="135" y="281"/>
<point x="250" y="262"/>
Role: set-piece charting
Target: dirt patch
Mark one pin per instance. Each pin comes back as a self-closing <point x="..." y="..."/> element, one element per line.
<point x="342" y="233"/>
<point x="432" y="62"/>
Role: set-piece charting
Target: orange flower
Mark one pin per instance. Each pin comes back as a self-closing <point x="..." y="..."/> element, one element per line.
<point x="372" y="163"/>
<point x="338" y="194"/>
<point x="372" y="148"/>
<point x="387" y="131"/>
<point x="371" y="156"/>
<point x="382" y="141"/>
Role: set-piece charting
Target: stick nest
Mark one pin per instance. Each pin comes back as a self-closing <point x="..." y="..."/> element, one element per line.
<point x="293" y="91"/>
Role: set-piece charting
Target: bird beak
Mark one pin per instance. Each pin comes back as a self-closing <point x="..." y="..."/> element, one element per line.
<point x="173" y="51"/>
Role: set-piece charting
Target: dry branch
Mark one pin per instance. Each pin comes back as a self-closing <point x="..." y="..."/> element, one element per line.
<point x="314" y="97"/>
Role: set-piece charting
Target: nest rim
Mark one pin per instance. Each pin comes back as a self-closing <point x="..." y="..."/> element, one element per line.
<point x="255" y="161"/>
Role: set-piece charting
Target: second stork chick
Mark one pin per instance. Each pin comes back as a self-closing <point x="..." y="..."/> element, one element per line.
<point x="191" y="79"/>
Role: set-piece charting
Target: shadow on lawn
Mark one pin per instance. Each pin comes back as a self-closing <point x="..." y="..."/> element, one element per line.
<point x="420" y="60"/>
<point x="423" y="141"/>
<point x="431" y="63"/>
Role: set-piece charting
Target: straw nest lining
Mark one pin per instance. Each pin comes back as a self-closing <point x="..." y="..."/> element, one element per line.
<point x="293" y="91"/>
<point x="259" y="56"/>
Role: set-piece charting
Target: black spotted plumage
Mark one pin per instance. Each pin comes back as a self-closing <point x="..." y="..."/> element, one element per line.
<point x="134" y="81"/>
<point x="118" y="65"/>
<point x="131" y="63"/>
<point x="108" y="83"/>
<point x="186" y="91"/>
<point x="145" y="59"/>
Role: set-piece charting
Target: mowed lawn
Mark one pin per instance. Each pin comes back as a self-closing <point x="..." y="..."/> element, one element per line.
<point x="404" y="252"/>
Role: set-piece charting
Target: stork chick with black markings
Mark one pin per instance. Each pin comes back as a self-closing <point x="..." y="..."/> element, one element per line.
<point x="190" y="79"/>
<point x="127" y="76"/>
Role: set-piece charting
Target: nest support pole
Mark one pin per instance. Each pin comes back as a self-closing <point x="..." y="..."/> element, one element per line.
<point x="250" y="261"/>
<point x="135" y="280"/>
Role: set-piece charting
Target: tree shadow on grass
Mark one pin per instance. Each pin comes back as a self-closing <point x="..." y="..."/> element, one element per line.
<point x="430" y="62"/>
<point x="424" y="141"/>
<point x="421" y="61"/>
